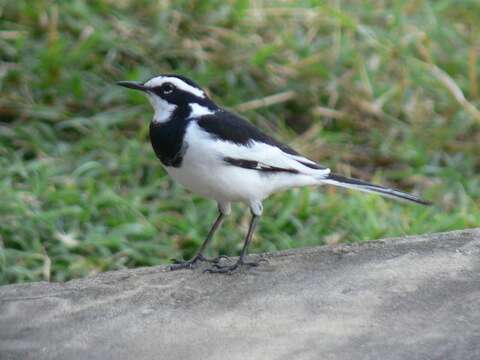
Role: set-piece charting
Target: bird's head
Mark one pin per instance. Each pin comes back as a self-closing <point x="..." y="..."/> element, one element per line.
<point x="172" y="93"/>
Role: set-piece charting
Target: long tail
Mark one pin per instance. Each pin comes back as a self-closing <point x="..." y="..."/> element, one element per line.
<point x="356" y="184"/>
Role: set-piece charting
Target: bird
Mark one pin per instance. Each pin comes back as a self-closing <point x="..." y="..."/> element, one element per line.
<point x="219" y="155"/>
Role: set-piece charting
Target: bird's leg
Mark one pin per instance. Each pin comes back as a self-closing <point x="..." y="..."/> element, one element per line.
<point x="217" y="268"/>
<point x="190" y="264"/>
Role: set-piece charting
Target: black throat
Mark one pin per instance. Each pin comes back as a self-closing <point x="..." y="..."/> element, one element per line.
<point x="167" y="138"/>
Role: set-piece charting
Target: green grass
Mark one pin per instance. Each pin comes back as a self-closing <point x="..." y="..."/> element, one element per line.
<point x="371" y="91"/>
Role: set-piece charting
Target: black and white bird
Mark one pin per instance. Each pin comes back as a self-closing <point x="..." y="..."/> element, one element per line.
<point x="221" y="156"/>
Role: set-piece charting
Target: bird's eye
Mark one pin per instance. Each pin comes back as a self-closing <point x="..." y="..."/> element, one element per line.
<point x="167" y="88"/>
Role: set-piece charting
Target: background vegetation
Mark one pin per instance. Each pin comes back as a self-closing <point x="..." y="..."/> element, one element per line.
<point x="381" y="90"/>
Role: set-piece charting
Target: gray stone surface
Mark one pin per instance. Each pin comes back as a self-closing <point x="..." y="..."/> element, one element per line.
<point x="409" y="298"/>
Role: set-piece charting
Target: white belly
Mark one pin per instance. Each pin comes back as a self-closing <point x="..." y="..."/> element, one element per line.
<point x="223" y="183"/>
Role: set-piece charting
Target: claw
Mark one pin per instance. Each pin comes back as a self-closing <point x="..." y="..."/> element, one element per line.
<point x="221" y="270"/>
<point x="192" y="264"/>
<point x="189" y="264"/>
<point x="228" y="269"/>
<point x="182" y="265"/>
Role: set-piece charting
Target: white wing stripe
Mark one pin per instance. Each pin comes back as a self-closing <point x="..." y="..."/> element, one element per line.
<point x="263" y="153"/>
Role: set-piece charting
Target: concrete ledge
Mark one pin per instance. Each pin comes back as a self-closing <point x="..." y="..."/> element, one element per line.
<point x="409" y="298"/>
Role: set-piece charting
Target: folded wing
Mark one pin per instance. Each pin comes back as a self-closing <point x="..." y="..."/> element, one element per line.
<point x="243" y="145"/>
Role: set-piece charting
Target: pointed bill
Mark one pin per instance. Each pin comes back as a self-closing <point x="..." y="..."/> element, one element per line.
<point x="136" y="85"/>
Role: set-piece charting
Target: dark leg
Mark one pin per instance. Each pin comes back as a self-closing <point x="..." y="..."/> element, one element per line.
<point x="217" y="268"/>
<point x="190" y="264"/>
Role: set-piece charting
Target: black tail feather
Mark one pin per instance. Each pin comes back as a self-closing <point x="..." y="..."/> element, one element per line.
<point x="356" y="184"/>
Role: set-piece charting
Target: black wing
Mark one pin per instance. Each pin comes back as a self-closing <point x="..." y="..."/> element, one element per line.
<point x="227" y="126"/>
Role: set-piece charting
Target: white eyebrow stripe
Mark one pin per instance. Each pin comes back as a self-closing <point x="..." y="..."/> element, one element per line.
<point x="180" y="84"/>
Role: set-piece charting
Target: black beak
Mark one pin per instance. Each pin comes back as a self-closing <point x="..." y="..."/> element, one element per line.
<point x="132" y="85"/>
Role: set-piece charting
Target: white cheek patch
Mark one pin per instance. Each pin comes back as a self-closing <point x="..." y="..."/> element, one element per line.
<point x="163" y="110"/>
<point x="178" y="83"/>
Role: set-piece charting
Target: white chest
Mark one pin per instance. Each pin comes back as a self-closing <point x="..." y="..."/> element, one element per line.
<point x="204" y="171"/>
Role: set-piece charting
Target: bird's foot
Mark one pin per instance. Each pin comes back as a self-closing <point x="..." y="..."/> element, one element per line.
<point x="229" y="269"/>
<point x="217" y="259"/>
<point x="193" y="263"/>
